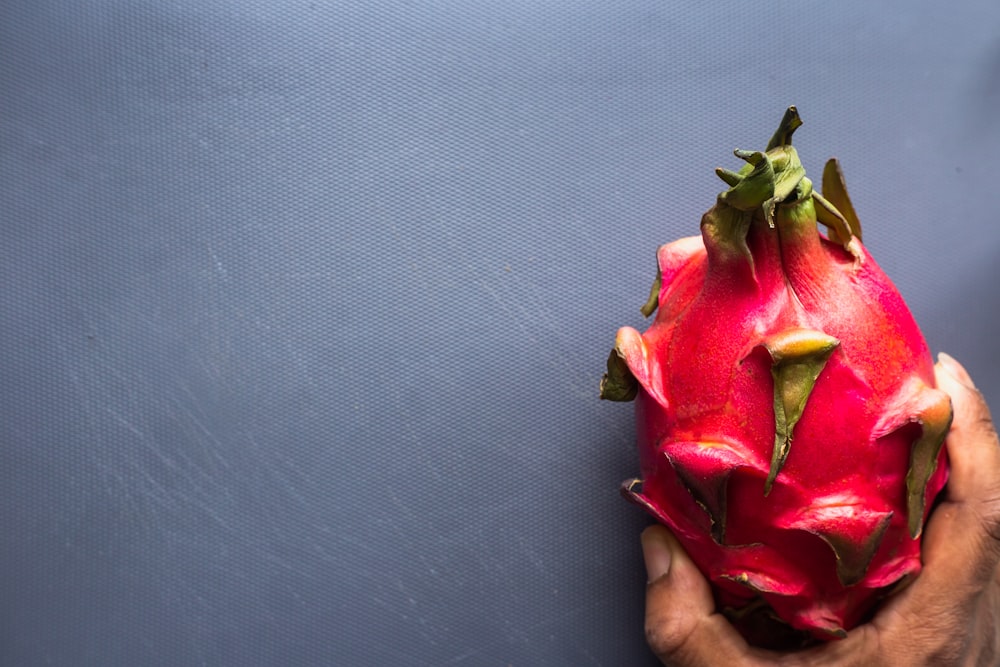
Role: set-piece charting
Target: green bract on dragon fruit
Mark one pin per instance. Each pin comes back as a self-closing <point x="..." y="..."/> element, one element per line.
<point x="789" y="431"/>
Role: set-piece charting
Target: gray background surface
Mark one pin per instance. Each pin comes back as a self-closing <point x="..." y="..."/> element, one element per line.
<point x="303" y="304"/>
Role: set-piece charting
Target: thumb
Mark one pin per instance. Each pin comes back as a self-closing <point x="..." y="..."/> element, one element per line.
<point x="962" y="546"/>
<point x="681" y="622"/>
<point x="973" y="449"/>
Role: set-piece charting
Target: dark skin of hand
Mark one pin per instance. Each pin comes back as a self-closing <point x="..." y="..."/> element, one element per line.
<point x="950" y="614"/>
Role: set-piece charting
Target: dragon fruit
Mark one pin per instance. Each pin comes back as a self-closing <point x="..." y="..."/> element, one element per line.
<point x="788" y="427"/>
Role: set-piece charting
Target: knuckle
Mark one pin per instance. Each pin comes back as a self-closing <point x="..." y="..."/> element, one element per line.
<point x="988" y="512"/>
<point x="974" y="416"/>
<point x="661" y="636"/>
<point x="990" y="550"/>
<point x="983" y="552"/>
<point x="985" y="425"/>
<point x="982" y="418"/>
<point x="666" y="636"/>
<point x="658" y="640"/>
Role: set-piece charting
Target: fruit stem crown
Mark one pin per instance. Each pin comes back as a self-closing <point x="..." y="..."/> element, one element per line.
<point x="776" y="177"/>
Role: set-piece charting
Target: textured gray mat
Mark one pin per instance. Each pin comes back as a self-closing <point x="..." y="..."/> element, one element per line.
<point x="303" y="304"/>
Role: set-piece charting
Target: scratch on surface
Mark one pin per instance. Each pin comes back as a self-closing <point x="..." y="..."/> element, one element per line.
<point x="524" y="303"/>
<point x="552" y="620"/>
<point x="125" y="422"/>
<point x="203" y="432"/>
<point x="411" y="520"/>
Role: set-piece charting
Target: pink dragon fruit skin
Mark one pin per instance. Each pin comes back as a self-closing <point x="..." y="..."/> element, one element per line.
<point x="789" y="430"/>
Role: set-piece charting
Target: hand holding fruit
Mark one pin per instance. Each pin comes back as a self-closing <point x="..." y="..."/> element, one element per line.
<point x="949" y="615"/>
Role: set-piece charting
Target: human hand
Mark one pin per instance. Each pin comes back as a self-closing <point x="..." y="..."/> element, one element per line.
<point x="949" y="615"/>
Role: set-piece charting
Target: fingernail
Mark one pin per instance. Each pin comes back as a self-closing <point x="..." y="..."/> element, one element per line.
<point x="955" y="369"/>
<point x="656" y="553"/>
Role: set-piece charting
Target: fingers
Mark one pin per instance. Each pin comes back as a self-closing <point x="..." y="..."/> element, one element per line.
<point x="969" y="529"/>
<point x="961" y="547"/>
<point x="682" y="627"/>
<point x="927" y="623"/>
<point x="973" y="449"/>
